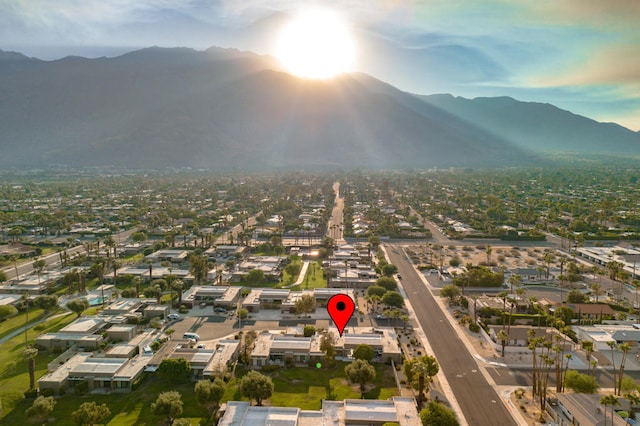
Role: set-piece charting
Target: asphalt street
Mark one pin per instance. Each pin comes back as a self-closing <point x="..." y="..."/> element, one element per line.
<point x="478" y="400"/>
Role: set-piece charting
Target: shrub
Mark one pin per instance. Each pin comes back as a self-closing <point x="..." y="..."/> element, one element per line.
<point x="81" y="388"/>
<point x="31" y="393"/>
<point x="474" y="328"/>
<point x="47" y="392"/>
<point x="270" y="368"/>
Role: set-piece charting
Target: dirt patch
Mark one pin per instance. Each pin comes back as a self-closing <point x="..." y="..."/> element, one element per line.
<point x="477" y="254"/>
<point x="521" y="400"/>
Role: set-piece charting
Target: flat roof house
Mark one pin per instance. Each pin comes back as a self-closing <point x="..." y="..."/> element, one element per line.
<point x="222" y="296"/>
<point x="173" y="256"/>
<point x="109" y="374"/>
<point x="333" y="413"/>
<point x="225" y="354"/>
<point x="104" y="374"/>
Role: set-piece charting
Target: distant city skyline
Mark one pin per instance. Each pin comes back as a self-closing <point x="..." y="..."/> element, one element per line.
<point x="580" y="55"/>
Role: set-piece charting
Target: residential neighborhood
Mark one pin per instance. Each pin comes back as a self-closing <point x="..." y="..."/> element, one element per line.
<point x="139" y="303"/>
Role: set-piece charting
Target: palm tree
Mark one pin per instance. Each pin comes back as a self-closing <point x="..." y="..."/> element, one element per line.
<point x="504" y="338"/>
<point x="14" y="259"/>
<point x="514" y="280"/>
<point x="596" y="288"/>
<point x="26" y="299"/>
<point x="31" y="354"/>
<point x="110" y="243"/>
<point x="39" y="265"/>
<point x="614" y="269"/>
<point x="624" y="348"/>
<point x="137" y="281"/>
<point x="150" y="264"/>
<point x="178" y="286"/>
<point x="636" y="285"/>
<point x="425" y="368"/>
<point x="158" y="293"/>
<point x="612" y="346"/>
<point x="587" y="347"/>
<point x="547" y="263"/>
<point x="611" y="400"/>
<point x="634" y="400"/>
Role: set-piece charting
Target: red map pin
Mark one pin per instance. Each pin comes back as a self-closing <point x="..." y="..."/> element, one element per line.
<point x="340" y="308"/>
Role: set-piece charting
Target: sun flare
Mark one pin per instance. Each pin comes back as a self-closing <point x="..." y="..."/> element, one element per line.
<point x="317" y="44"/>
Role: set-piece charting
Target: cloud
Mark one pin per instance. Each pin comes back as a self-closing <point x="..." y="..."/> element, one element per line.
<point x="615" y="15"/>
<point x="79" y="21"/>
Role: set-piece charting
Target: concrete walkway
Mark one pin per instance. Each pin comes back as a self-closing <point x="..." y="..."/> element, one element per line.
<point x="303" y="272"/>
<point x="19" y="331"/>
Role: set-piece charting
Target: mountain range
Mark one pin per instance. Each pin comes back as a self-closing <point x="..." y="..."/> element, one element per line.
<point x="223" y="109"/>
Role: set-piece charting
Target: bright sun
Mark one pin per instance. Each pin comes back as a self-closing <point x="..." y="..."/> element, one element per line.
<point x="316" y="44"/>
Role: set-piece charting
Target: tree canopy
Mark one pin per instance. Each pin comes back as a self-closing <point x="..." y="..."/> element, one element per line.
<point x="168" y="404"/>
<point x="254" y="276"/>
<point x="7" y="311"/>
<point x="376" y="290"/>
<point x="437" y="414"/>
<point x="575" y="296"/>
<point x="360" y="372"/>
<point x="41" y="409"/>
<point x="175" y="370"/>
<point x="209" y="393"/>
<point x="78" y="305"/>
<point x="364" y="352"/>
<point x="256" y="386"/>
<point x="306" y="304"/>
<point x="387" y="282"/>
<point x="389" y="269"/>
<point x="450" y="291"/>
<point x="90" y="413"/>
<point x="580" y="383"/>
<point x="479" y="276"/>
<point x="46" y="302"/>
<point x="393" y="298"/>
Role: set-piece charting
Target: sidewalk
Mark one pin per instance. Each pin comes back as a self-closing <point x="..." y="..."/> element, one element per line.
<point x="468" y="340"/>
<point x="303" y="272"/>
<point x="440" y="377"/>
<point x="31" y="325"/>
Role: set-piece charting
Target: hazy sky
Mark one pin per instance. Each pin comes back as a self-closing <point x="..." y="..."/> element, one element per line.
<point x="581" y="55"/>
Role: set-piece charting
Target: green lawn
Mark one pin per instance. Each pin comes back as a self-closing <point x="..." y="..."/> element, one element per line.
<point x="306" y="387"/>
<point x="14" y="372"/>
<point x="303" y="387"/>
<point x="16" y="322"/>
<point x="126" y="409"/>
<point x="313" y="278"/>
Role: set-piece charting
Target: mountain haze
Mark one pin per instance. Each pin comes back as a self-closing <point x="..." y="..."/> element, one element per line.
<point x="539" y="126"/>
<point x="228" y="110"/>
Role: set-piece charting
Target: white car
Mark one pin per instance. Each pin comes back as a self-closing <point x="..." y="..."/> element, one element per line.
<point x="173" y="316"/>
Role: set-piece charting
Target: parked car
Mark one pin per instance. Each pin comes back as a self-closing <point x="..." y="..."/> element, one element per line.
<point x="173" y="317"/>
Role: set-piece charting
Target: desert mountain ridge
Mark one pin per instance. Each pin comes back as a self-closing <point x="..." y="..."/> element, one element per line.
<point x="223" y="109"/>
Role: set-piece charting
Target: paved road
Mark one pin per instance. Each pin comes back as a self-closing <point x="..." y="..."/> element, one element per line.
<point x="26" y="267"/>
<point x="522" y="376"/>
<point x="237" y="230"/>
<point x="335" y="228"/>
<point x="478" y="400"/>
